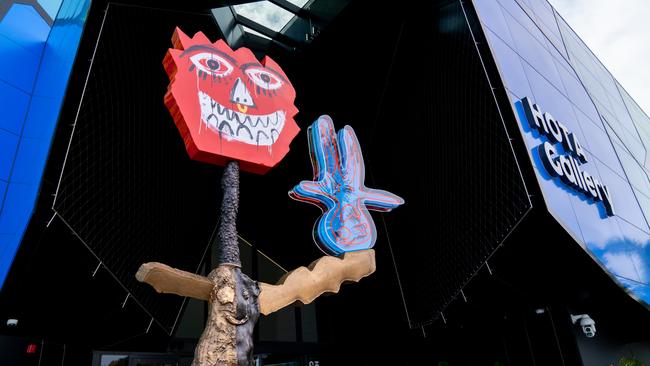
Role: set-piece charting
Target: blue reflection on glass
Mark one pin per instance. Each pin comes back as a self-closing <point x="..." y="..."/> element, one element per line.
<point x="602" y="149"/>
<point x="492" y="18"/>
<point x="50" y="6"/>
<point x="514" y="13"/>
<point x="576" y="92"/>
<point x="545" y="19"/>
<point x="514" y="79"/>
<point x="554" y="102"/>
<point x="34" y="71"/>
<point x="534" y="52"/>
<point x="559" y="84"/>
<point x="23" y="25"/>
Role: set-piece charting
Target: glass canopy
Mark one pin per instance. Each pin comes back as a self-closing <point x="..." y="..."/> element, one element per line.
<point x="266" y="14"/>
<point x="289" y="24"/>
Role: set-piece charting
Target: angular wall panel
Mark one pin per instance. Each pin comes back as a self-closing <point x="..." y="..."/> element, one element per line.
<point x="567" y="80"/>
<point x="38" y="45"/>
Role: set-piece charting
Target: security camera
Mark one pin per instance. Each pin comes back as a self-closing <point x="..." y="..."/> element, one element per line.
<point x="588" y="325"/>
<point x="12" y="323"/>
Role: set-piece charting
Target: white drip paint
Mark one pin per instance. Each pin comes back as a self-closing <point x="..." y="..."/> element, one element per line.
<point x="248" y="128"/>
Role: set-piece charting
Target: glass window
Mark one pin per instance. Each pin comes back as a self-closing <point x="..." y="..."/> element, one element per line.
<point x="545" y="19"/>
<point x="114" y="360"/>
<point x="8" y="145"/>
<point x="557" y="198"/>
<point x="623" y="264"/>
<point x="633" y="170"/>
<point x="616" y="132"/>
<point x="597" y="232"/>
<point x="598" y="144"/>
<point x="623" y="146"/>
<point x="623" y="116"/>
<point x="576" y="92"/>
<point x="51" y="7"/>
<point x="634" y="145"/>
<point x="600" y="84"/>
<point x="253" y="31"/>
<point x="266" y="14"/>
<point x="556" y="195"/>
<point x="14" y="104"/>
<point x="625" y="202"/>
<point x="628" y="140"/>
<point x="534" y="52"/>
<point x="641" y="122"/>
<point x="554" y="39"/>
<point x="593" y="86"/>
<point x="491" y="16"/>
<point x="639" y="117"/>
<point x="644" y="202"/>
<point x="513" y="11"/>
<point x="298" y="3"/>
<point x="552" y="100"/>
<point x="510" y="67"/>
<point x="633" y="236"/>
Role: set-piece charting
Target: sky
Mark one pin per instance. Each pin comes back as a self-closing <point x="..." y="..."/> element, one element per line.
<point x="618" y="32"/>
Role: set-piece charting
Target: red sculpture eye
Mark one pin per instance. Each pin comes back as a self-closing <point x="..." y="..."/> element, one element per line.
<point x="212" y="64"/>
<point x="264" y="78"/>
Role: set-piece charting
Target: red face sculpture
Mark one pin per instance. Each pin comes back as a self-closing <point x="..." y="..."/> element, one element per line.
<point x="227" y="105"/>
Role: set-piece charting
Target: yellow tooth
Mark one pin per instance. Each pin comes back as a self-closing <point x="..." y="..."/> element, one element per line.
<point x="242" y="108"/>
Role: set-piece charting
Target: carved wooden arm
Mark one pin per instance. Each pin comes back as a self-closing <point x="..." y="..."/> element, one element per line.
<point x="169" y="280"/>
<point x="303" y="284"/>
<point x="325" y="274"/>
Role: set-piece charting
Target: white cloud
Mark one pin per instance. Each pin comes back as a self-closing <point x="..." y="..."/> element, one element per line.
<point x="265" y="13"/>
<point x="626" y="264"/>
<point x="618" y="32"/>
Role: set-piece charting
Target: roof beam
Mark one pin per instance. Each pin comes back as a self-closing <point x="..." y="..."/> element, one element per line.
<point x="301" y="12"/>
<point x="282" y="38"/>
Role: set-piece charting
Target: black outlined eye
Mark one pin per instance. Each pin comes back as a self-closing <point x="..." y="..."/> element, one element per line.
<point x="212" y="64"/>
<point x="264" y="78"/>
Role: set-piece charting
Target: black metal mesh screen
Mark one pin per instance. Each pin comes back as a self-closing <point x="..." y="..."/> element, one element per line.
<point x="128" y="189"/>
<point x="441" y="133"/>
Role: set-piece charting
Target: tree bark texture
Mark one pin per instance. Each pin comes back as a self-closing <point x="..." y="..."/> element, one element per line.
<point x="227" y="339"/>
<point x="229" y="246"/>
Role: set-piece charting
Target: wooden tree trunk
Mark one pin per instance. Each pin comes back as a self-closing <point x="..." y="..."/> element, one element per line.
<point x="228" y="335"/>
<point x="229" y="246"/>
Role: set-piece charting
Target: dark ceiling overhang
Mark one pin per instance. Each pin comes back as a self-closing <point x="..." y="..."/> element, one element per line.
<point x="288" y="25"/>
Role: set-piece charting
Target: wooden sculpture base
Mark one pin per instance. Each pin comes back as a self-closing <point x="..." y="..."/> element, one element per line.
<point x="234" y="298"/>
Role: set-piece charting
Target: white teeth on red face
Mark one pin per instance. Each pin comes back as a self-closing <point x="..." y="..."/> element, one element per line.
<point x="261" y="130"/>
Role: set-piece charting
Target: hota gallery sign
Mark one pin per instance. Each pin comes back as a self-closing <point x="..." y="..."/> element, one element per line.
<point x="565" y="164"/>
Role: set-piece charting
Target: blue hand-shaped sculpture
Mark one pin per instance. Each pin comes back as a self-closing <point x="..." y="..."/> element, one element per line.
<point x="338" y="189"/>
